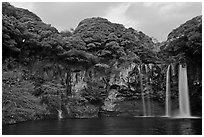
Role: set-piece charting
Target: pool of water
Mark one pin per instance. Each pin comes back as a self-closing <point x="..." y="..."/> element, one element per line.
<point x="107" y="126"/>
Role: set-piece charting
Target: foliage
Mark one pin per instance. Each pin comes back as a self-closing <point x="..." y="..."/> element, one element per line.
<point x="52" y="96"/>
<point x="81" y="109"/>
<point x="185" y="42"/>
<point x="18" y="104"/>
<point x="112" y="41"/>
<point x="25" y="36"/>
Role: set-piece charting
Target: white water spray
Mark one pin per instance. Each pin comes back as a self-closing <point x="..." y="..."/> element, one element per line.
<point x="168" y="92"/>
<point x="59" y="114"/>
<point x="148" y="88"/>
<point x="142" y="92"/>
<point x="184" y="105"/>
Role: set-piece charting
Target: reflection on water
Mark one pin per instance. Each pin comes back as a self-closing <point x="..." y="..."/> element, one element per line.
<point x="169" y="128"/>
<point x="107" y="126"/>
<point x="186" y="128"/>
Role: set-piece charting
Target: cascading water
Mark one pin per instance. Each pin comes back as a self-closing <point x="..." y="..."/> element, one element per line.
<point x="60" y="109"/>
<point x="184" y="105"/>
<point x="148" y="93"/>
<point x="142" y="92"/>
<point x="168" y="90"/>
<point x="59" y="114"/>
<point x="150" y="83"/>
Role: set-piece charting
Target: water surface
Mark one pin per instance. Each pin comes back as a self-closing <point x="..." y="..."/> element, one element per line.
<point x="107" y="126"/>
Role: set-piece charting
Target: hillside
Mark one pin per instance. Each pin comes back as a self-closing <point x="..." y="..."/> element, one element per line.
<point x="25" y="34"/>
<point x="186" y="41"/>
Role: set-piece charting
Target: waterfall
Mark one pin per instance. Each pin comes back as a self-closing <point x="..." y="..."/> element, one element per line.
<point x="168" y="97"/>
<point x="184" y="107"/>
<point x="149" y="105"/>
<point x="59" y="114"/>
<point x="148" y="89"/>
<point x="142" y="92"/>
<point x="60" y="106"/>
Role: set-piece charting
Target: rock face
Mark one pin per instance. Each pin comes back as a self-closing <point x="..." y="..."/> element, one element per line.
<point x="122" y="106"/>
<point x="123" y="77"/>
<point x="78" y="82"/>
<point x="109" y="103"/>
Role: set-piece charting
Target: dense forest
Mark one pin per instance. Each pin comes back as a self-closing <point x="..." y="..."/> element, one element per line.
<point x="45" y="70"/>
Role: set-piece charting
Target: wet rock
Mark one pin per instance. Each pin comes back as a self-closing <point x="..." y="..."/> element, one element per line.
<point x="110" y="101"/>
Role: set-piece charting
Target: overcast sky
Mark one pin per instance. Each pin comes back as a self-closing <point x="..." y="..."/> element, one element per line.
<point x="154" y="19"/>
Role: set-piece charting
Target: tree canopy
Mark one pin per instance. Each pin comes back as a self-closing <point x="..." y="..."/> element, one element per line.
<point x="185" y="42"/>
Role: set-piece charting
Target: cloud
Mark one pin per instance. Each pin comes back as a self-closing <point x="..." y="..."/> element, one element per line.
<point x="158" y="19"/>
<point x="66" y="15"/>
<point x="117" y="14"/>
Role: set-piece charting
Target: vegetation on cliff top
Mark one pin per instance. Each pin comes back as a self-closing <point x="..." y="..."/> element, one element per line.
<point x="184" y="44"/>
